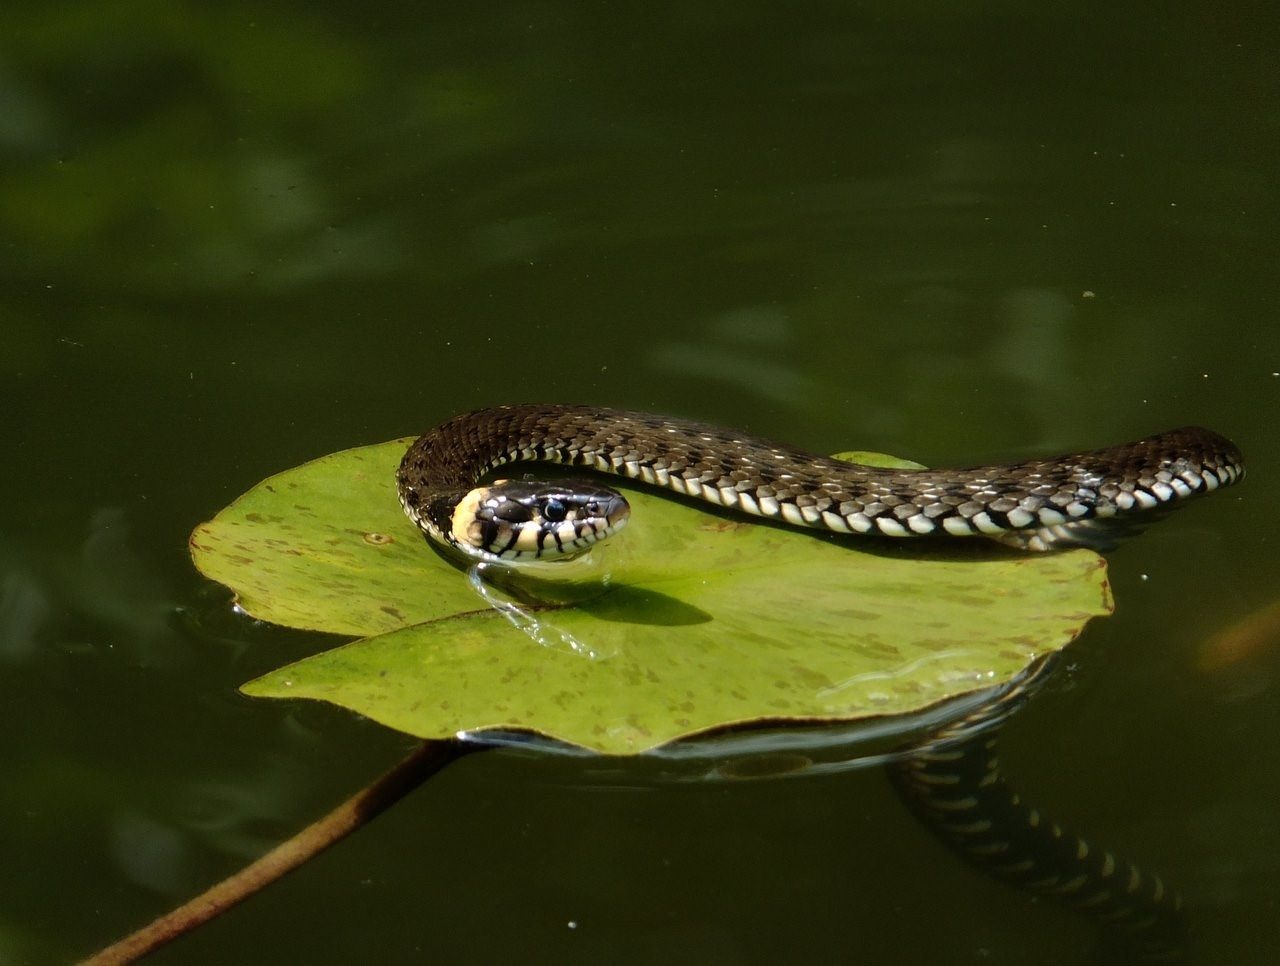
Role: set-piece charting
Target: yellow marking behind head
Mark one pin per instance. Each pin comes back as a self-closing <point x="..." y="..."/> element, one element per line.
<point x="463" y="524"/>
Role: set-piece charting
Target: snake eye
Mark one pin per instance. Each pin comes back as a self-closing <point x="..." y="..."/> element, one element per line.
<point x="554" y="510"/>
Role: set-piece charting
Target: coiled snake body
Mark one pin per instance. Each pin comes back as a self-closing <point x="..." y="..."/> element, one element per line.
<point x="1033" y="505"/>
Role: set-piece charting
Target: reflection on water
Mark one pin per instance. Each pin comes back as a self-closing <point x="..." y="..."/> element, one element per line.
<point x="149" y="853"/>
<point x="1243" y="642"/>
<point x="107" y="583"/>
<point x="767" y="750"/>
<point x="24" y="609"/>
<point x="741" y="349"/>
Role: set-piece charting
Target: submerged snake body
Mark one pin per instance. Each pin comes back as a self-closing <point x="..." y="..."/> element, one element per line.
<point x="953" y="782"/>
<point x="1033" y="505"/>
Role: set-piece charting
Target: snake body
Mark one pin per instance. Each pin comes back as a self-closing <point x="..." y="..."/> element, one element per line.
<point x="1037" y="504"/>
<point x="951" y="780"/>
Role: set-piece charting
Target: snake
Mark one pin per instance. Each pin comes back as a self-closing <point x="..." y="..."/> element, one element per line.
<point x="950" y="779"/>
<point x="1037" y="505"/>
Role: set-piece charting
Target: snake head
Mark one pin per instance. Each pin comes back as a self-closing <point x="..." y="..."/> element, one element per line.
<point x="527" y="519"/>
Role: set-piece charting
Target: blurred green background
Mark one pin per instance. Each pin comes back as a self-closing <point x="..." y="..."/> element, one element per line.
<point x="234" y="237"/>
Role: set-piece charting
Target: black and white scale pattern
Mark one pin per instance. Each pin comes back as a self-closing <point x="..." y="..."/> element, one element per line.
<point x="1034" y="505"/>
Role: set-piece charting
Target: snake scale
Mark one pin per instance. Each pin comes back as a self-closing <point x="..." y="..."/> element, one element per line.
<point x="1038" y="504"/>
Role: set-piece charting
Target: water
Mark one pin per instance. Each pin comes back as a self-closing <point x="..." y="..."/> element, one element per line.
<point x="241" y="237"/>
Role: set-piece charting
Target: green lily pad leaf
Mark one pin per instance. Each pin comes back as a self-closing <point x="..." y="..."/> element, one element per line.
<point x="326" y="547"/>
<point x="868" y="458"/>
<point x="707" y="621"/>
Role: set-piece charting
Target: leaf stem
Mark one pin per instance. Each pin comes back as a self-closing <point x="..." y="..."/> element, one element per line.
<point x="426" y="760"/>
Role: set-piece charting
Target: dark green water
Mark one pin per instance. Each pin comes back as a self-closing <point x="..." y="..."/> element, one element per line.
<point x="235" y="237"/>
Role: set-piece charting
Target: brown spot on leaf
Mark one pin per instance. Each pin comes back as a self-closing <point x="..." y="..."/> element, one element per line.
<point x="722" y="526"/>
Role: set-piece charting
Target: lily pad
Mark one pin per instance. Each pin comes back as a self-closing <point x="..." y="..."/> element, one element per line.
<point x="707" y="620"/>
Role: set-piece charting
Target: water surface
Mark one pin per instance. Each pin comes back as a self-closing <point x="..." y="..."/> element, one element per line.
<point x="236" y="238"/>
